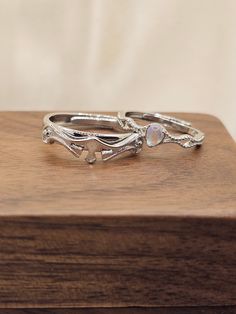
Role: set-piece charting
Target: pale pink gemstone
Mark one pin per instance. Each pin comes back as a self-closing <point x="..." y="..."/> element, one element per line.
<point x="154" y="134"/>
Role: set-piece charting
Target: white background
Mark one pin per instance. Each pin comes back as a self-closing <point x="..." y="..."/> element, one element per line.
<point x="153" y="55"/>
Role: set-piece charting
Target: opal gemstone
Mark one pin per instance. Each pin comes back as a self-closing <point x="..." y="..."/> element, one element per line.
<point x="154" y="134"/>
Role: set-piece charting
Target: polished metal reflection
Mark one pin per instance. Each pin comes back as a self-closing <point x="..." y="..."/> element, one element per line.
<point x="163" y="129"/>
<point x="70" y="130"/>
<point x="60" y="127"/>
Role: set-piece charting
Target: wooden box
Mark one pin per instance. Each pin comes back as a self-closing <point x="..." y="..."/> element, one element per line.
<point x="155" y="231"/>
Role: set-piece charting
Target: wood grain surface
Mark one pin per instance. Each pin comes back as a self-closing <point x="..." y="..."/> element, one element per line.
<point x="39" y="179"/>
<point x="154" y="230"/>
<point x="159" y="310"/>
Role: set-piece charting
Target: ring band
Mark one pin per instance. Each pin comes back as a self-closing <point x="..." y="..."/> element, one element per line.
<point x="128" y="137"/>
<point x="157" y="133"/>
<point x="59" y="127"/>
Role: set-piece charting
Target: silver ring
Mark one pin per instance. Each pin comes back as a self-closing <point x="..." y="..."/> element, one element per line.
<point x="60" y="128"/>
<point x="158" y="132"/>
<point x="68" y="129"/>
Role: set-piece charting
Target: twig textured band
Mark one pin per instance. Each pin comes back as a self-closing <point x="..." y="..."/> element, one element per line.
<point x="57" y="127"/>
<point x="71" y="130"/>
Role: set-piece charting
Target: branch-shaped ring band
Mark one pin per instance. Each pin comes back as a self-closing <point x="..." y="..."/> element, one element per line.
<point x="70" y="130"/>
<point x="158" y="131"/>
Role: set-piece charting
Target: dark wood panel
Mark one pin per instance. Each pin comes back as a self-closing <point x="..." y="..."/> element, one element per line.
<point x="79" y="261"/>
<point x="174" y="310"/>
